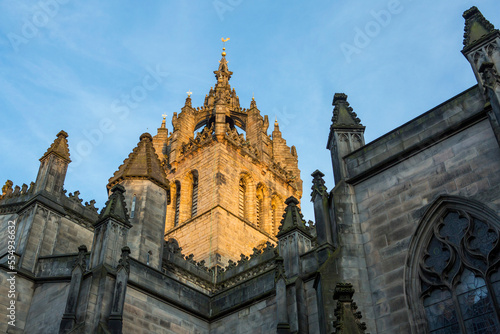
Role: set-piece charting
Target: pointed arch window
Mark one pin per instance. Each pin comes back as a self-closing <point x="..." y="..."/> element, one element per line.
<point x="258" y="210"/>
<point x="194" y="197"/>
<point x="177" y="202"/>
<point x="259" y="206"/>
<point x="458" y="274"/>
<point x="241" y="198"/>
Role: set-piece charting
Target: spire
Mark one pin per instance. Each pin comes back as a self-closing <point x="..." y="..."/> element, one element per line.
<point x="222" y="90"/>
<point x="142" y="163"/>
<point x="292" y="218"/>
<point x="476" y="26"/>
<point x="222" y="94"/>
<point x="223" y="74"/>
<point x="59" y="147"/>
<point x="343" y="115"/>
<point x="115" y="206"/>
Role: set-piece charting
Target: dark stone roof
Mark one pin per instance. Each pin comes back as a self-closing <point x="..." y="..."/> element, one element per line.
<point x="142" y="163"/>
<point x="343" y="116"/>
<point x="59" y="147"/>
<point x="115" y="206"/>
<point x="292" y="218"/>
<point x="476" y="27"/>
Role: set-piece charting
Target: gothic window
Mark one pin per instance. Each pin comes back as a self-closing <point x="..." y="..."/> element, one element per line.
<point x="194" y="197"/>
<point x="273" y="215"/>
<point x="258" y="211"/>
<point x="259" y="206"/>
<point x="459" y="275"/>
<point x="241" y="198"/>
<point x="177" y="202"/>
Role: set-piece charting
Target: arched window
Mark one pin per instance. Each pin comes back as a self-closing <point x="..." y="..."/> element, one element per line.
<point x="241" y="198"/>
<point x="194" y="196"/>
<point x="457" y="269"/>
<point x="177" y="202"/>
<point x="258" y="210"/>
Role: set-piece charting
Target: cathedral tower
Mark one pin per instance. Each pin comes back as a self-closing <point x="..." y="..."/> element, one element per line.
<point x="228" y="178"/>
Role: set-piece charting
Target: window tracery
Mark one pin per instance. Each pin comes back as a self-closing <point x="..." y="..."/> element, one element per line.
<point x="459" y="277"/>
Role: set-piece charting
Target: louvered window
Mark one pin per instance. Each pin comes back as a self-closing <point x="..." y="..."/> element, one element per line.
<point x="177" y="203"/>
<point x="258" y="211"/>
<point x="241" y="199"/>
<point x="194" y="207"/>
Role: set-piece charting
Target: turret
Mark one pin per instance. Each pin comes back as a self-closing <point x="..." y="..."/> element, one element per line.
<point x="294" y="238"/>
<point x="482" y="50"/>
<point x="111" y="230"/>
<point x="146" y="185"/>
<point x="53" y="166"/>
<point x="346" y="134"/>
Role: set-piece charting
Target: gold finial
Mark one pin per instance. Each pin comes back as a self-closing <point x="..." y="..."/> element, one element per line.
<point x="163" y="124"/>
<point x="224" y="40"/>
<point x="253" y="96"/>
<point x="275" y="120"/>
<point x="189" y="92"/>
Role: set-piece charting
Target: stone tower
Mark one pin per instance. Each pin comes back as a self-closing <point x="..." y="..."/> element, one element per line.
<point x="228" y="178"/>
<point x="146" y="195"/>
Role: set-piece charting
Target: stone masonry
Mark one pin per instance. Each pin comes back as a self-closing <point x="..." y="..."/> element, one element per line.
<point x="202" y="231"/>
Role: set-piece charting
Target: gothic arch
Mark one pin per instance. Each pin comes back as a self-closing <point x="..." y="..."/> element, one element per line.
<point x="177" y="203"/>
<point x="246" y="194"/>
<point x="171" y="206"/>
<point x="189" y="196"/>
<point x="262" y="207"/>
<point x="456" y="245"/>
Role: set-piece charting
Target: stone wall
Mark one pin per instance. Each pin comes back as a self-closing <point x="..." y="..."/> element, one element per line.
<point x="259" y="318"/>
<point x="47" y="308"/>
<point x="24" y="294"/>
<point x="458" y="156"/>
<point x="219" y="176"/>
<point x="145" y="313"/>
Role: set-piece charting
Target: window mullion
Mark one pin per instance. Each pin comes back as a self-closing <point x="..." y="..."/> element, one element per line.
<point x="461" y="322"/>
<point x="491" y="293"/>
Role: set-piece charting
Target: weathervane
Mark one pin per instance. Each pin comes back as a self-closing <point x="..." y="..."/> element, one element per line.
<point x="224" y="40"/>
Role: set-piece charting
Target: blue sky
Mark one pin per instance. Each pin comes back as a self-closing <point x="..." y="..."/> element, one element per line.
<point x="70" y="65"/>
